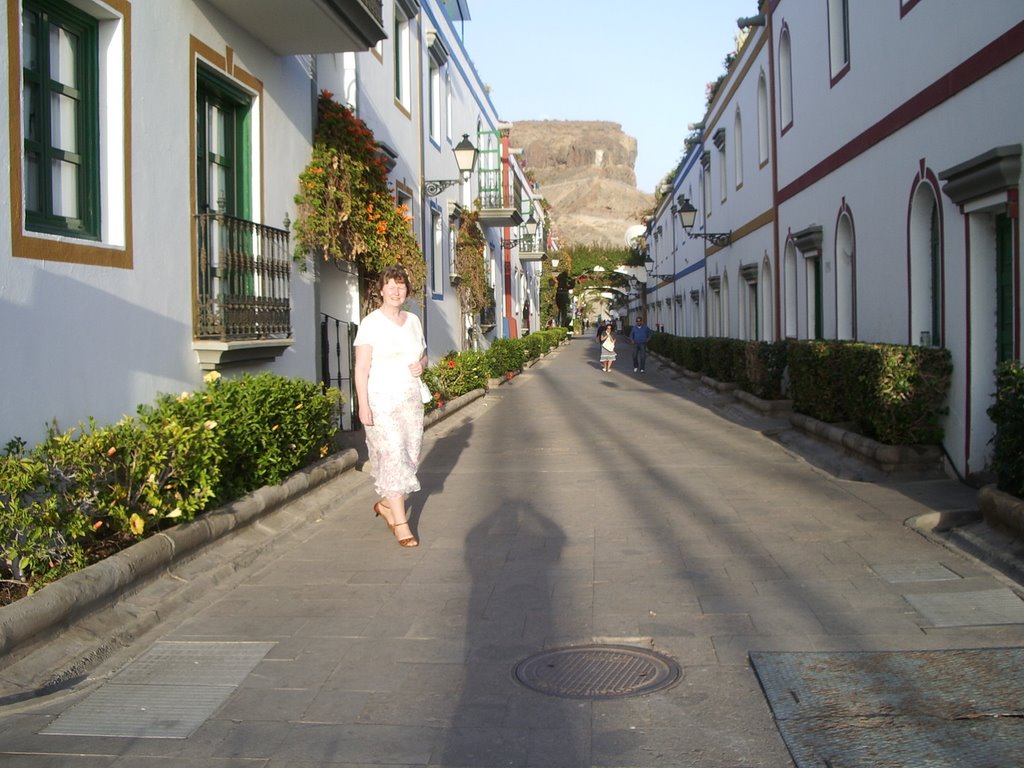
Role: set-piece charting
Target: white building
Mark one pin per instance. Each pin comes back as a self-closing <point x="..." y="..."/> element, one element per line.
<point x="865" y="165"/>
<point x="153" y="157"/>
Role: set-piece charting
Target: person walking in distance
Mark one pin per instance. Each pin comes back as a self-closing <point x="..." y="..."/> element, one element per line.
<point x="390" y="356"/>
<point x="639" y="334"/>
<point x="606" y="338"/>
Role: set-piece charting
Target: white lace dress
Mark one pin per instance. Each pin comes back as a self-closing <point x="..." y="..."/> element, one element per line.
<point x="396" y="437"/>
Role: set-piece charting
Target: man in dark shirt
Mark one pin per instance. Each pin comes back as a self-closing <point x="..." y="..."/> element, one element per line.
<point x="639" y="334"/>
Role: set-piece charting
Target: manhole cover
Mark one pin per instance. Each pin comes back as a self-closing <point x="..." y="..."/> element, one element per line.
<point x="597" y="672"/>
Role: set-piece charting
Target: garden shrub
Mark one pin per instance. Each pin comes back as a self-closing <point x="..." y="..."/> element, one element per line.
<point x="815" y="381"/>
<point x="82" y="494"/>
<point x="455" y="375"/>
<point x="763" y="366"/>
<point x="897" y="394"/>
<point x="1008" y="414"/>
<point x="505" y="356"/>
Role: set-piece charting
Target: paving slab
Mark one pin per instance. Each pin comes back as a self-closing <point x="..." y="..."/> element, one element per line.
<point x="565" y="508"/>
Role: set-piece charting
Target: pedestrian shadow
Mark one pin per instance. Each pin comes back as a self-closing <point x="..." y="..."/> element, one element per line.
<point x="512" y="554"/>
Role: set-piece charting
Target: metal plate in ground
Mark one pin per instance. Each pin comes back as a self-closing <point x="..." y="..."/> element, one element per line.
<point x="902" y="573"/>
<point x="882" y="710"/>
<point x="969" y="609"/>
<point x="597" y="672"/>
<point x="167" y="693"/>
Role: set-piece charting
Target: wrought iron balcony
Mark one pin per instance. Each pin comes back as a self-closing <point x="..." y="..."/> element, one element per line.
<point x="243" y="272"/>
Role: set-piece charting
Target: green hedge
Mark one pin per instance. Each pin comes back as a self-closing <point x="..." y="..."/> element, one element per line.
<point x="894" y="394"/>
<point x="1008" y="415"/>
<point x="82" y="494"/>
<point x="459" y="373"/>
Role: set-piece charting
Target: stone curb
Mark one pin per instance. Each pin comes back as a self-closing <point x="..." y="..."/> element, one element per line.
<point x="1002" y="510"/>
<point x="73" y="596"/>
<point x="888" y="458"/>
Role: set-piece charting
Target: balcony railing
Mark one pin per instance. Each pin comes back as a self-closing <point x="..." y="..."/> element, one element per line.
<point x="242" y="288"/>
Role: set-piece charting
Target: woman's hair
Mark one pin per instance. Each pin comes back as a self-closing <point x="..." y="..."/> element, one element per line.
<point x="397" y="273"/>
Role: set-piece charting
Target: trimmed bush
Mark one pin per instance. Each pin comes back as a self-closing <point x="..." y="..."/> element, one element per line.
<point x="83" y="494"/>
<point x="1008" y="414"/>
<point x="815" y="383"/>
<point x="505" y="356"/>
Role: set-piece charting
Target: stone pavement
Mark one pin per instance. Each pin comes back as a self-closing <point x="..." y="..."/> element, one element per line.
<point x="566" y="507"/>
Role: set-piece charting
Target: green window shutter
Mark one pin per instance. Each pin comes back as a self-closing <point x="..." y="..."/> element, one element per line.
<point x="60" y="72"/>
<point x="223" y="146"/>
<point x="1004" y="288"/>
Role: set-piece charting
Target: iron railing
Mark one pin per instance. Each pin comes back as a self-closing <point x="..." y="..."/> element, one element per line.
<point x="243" y="288"/>
<point x="337" y="356"/>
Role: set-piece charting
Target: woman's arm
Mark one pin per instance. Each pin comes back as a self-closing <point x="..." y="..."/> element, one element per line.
<point x="364" y="354"/>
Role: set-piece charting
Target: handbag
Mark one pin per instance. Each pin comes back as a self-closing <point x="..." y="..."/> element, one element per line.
<point x="425" y="392"/>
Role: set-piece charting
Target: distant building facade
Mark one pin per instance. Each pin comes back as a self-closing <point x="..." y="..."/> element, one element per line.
<point x="868" y="177"/>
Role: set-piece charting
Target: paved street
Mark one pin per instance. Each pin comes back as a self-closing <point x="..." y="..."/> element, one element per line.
<point x="567" y="507"/>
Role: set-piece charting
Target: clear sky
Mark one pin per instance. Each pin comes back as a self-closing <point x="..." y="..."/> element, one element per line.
<point x="643" y="64"/>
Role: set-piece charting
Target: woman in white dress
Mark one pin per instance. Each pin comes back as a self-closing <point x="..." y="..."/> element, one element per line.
<point x="390" y="356"/>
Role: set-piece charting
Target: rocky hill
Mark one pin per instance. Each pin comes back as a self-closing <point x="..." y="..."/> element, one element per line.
<point x="585" y="171"/>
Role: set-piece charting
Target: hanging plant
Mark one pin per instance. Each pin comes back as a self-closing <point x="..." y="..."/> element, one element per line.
<point x="470" y="264"/>
<point x="346" y="210"/>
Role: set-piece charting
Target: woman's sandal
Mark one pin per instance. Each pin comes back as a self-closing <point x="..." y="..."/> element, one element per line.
<point x="378" y="510"/>
<point x="410" y="540"/>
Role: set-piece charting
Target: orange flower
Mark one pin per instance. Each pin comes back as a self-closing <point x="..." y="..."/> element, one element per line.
<point x="451" y="363"/>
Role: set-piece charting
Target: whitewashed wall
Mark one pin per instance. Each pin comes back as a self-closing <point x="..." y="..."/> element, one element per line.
<point x="85" y="341"/>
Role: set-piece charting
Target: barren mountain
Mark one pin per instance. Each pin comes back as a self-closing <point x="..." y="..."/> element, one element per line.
<point x="585" y="172"/>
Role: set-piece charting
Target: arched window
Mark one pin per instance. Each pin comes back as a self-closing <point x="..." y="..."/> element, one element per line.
<point x="790" y="295"/>
<point x="925" y="267"/>
<point x="762" y="120"/>
<point x="785" y="80"/>
<point x="766" y="301"/>
<point x="846" y="279"/>
<point x="725" y="323"/>
<point x="737" y="148"/>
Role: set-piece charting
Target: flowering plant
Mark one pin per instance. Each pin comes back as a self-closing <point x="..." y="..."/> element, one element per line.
<point x="469" y="264"/>
<point x="347" y="211"/>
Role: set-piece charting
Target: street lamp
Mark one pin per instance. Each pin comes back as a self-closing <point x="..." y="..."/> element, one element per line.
<point x="649" y="268"/>
<point x="688" y="217"/>
<point x="465" y="157"/>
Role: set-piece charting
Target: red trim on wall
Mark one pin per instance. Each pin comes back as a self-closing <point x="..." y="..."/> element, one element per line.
<point x="906" y="6"/>
<point x="1013" y="211"/>
<point x="967" y="345"/>
<point x="1001" y="50"/>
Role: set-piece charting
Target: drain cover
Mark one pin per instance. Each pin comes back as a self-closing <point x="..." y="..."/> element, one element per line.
<point x="597" y="672"/>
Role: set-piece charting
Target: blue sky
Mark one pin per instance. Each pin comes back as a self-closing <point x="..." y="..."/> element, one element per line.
<point x="606" y="60"/>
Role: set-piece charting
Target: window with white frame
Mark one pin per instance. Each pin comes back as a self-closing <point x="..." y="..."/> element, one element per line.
<point x="70" y="159"/>
<point x="448" y="103"/>
<point x="719" y="140"/>
<point x="437" y="253"/>
<point x="402" y="61"/>
<point x="839" y="37"/>
<point x="705" y="181"/>
<point x="737" y="148"/>
<point x="434" y="101"/>
<point x="785" y="80"/>
<point x="790" y="292"/>
<point x="762" y="120"/>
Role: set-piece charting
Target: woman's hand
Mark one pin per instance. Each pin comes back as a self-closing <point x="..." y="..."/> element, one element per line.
<point x="365" y="416"/>
<point x="417" y="368"/>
